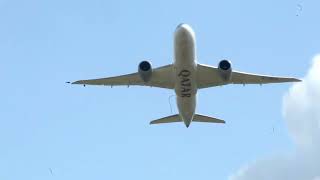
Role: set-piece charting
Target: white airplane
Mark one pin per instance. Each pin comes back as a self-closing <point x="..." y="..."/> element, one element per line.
<point x="185" y="76"/>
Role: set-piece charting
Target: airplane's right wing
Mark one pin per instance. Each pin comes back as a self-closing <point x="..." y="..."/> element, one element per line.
<point x="161" y="77"/>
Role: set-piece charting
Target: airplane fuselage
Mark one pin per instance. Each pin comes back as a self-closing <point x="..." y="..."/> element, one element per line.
<point x="185" y="72"/>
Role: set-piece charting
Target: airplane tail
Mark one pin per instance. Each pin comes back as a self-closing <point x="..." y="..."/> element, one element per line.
<point x="196" y="118"/>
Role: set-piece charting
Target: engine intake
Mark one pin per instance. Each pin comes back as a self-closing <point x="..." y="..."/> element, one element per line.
<point x="145" y="70"/>
<point x="225" y="70"/>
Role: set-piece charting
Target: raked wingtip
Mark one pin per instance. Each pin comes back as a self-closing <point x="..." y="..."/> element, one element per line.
<point x="76" y="82"/>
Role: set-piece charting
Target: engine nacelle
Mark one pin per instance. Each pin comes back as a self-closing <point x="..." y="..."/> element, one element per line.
<point x="225" y="70"/>
<point x="145" y="71"/>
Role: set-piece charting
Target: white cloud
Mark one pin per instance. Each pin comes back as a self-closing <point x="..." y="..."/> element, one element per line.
<point x="301" y="111"/>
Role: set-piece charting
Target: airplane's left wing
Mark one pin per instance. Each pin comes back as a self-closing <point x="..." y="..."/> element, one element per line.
<point x="162" y="77"/>
<point x="209" y="76"/>
<point x="248" y="78"/>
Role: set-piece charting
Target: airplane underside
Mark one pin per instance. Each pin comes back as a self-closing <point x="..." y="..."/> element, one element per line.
<point x="185" y="76"/>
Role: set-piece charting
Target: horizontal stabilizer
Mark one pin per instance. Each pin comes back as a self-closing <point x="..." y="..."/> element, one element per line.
<point x="207" y="119"/>
<point x="169" y="119"/>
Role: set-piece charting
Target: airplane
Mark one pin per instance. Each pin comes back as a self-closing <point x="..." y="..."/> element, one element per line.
<point x="185" y="76"/>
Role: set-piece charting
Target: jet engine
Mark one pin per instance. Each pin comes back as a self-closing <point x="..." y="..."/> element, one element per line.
<point x="145" y="71"/>
<point x="225" y="70"/>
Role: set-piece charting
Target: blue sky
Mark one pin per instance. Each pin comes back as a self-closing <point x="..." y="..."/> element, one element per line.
<point x="104" y="133"/>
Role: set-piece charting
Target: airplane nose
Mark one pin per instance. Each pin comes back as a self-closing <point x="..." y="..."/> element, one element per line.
<point x="184" y="30"/>
<point x="182" y="26"/>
